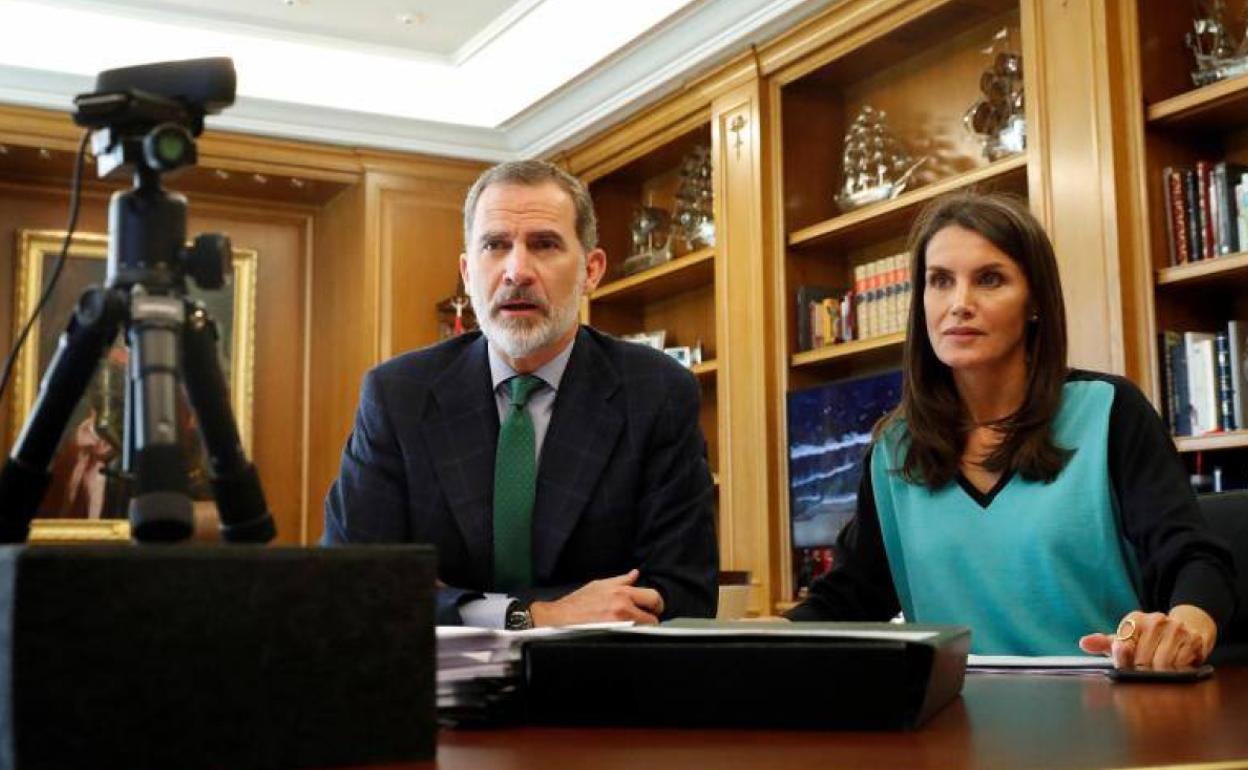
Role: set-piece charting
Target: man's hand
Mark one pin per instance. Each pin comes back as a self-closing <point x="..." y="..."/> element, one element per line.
<point x="1181" y="639"/>
<point x="598" y="601"/>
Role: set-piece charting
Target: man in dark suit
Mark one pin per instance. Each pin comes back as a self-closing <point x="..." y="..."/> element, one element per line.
<point x="560" y="473"/>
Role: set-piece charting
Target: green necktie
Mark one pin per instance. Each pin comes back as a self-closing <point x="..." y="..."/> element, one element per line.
<point x="515" y="485"/>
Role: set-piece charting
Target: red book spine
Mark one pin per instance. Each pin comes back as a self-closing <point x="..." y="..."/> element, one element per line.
<point x="1178" y="217"/>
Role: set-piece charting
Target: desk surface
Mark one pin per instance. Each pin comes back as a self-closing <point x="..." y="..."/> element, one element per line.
<point x="1000" y="721"/>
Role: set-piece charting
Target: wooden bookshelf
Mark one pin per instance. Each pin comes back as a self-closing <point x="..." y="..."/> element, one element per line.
<point x="881" y="221"/>
<point x="1235" y="439"/>
<point x="1218" y="107"/>
<point x="830" y="353"/>
<point x="666" y="280"/>
<point x="705" y="369"/>
<point x="920" y="64"/>
<point x="1206" y="272"/>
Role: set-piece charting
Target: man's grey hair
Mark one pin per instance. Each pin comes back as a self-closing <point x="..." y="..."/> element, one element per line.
<point x="531" y="173"/>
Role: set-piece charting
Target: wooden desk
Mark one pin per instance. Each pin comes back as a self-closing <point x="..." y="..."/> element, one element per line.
<point x="1001" y="721"/>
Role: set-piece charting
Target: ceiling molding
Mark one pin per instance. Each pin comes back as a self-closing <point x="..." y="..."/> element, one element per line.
<point x="501" y="24"/>
<point x="685" y="47"/>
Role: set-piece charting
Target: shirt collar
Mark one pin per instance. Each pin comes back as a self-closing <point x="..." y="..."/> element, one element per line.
<point x="550" y="372"/>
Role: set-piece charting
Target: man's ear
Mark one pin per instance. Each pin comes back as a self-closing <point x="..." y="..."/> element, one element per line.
<point x="463" y="273"/>
<point x="595" y="269"/>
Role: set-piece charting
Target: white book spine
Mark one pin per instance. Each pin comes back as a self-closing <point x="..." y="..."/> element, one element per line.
<point x="1202" y="381"/>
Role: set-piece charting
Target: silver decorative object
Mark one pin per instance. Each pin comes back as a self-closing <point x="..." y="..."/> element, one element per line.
<point x="876" y="166"/>
<point x="1219" y="45"/>
<point x="695" y="202"/>
<point x="997" y="116"/>
<point x="652" y="239"/>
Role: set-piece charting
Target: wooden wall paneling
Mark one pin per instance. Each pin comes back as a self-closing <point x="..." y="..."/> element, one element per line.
<point x="1070" y="130"/>
<point x="420" y="230"/>
<point x="343" y="338"/>
<point x="746" y="515"/>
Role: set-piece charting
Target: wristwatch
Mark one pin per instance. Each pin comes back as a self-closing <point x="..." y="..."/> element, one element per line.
<point x="519" y="618"/>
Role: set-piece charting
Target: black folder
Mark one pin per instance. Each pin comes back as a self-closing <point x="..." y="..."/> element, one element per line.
<point x="775" y="675"/>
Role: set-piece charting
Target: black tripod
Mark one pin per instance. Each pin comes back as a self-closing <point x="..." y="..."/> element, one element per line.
<point x="171" y="339"/>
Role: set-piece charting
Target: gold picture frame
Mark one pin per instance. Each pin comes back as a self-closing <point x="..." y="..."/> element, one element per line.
<point x="37" y="251"/>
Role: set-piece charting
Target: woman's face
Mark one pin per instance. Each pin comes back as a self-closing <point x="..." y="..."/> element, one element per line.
<point x="976" y="302"/>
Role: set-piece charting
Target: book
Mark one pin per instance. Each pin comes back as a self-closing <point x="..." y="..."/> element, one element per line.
<point x="1191" y="211"/>
<point x="1202" y="381"/>
<point x="1226" y="176"/>
<point x="808" y="294"/>
<point x="1226" y="391"/>
<point x="1182" y="400"/>
<point x="1204" y="172"/>
<point x="1237" y="336"/>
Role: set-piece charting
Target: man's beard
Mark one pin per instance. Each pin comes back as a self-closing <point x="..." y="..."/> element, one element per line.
<point x="522" y="337"/>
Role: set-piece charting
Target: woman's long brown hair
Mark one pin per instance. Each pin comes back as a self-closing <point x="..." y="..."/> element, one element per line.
<point x="936" y="420"/>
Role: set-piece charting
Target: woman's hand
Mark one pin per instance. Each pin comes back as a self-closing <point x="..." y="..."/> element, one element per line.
<point x="1183" y="638"/>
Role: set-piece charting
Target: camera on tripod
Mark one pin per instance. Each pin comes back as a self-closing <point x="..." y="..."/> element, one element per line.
<point x="144" y="120"/>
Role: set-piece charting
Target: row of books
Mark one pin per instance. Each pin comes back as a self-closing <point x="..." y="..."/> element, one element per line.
<point x="876" y="305"/>
<point x="1206" y="210"/>
<point x="1206" y="379"/>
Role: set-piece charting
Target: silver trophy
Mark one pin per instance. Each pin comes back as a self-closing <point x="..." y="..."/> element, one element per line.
<point x="997" y="116"/>
<point x="695" y="202"/>
<point x="876" y="166"/>
<point x="1219" y="45"/>
<point x="652" y="239"/>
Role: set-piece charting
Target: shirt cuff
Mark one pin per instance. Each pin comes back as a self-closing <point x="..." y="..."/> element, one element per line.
<point x="487" y="612"/>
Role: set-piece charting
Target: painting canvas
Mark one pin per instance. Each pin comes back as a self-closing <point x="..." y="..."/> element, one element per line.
<point x="92" y="439"/>
<point x="829" y="434"/>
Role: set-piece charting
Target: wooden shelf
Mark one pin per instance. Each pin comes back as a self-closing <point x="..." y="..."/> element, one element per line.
<point x="1205" y="271"/>
<point x="830" y="353"/>
<point x="706" y="369"/>
<point x="681" y="274"/>
<point x="1236" y="439"/>
<point x="888" y="219"/>
<point x="1214" y="108"/>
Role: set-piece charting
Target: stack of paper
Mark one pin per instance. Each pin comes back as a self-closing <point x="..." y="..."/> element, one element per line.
<point x="479" y="671"/>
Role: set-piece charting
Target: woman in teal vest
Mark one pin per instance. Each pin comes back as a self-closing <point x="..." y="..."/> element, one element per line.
<point x="1044" y="507"/>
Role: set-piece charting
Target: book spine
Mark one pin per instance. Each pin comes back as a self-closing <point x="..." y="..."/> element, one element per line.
<point x="860" y="296"/>
<point x="1204" y="171"/>
<point x="1235" y="331"/>
<point x="1226" y="392"/>
<point x="1182" y="396"/>
<point x="1191" y="208"/>
<point x="1177" y="217"/>
<point x="1167" y="196"/>
<point x="1167" y="380"/>
<point x="1202" y="382"/>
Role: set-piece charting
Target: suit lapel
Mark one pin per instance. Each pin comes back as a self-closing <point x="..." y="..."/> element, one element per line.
<point x="583" y="432"/>
<point x="461" y="436"/>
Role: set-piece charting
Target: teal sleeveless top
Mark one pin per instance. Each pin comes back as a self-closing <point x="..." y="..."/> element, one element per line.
<point x="1031" y="568"/>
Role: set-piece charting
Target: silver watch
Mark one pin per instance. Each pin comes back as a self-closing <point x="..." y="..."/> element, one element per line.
<point x="519" y="618"/>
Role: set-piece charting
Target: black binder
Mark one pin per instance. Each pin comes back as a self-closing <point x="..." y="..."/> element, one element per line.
<point x="243" y="657"/>
<point x="748" y="678"/>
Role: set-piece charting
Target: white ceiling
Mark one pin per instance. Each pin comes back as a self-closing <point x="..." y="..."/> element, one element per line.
<point x="486" y="79"/>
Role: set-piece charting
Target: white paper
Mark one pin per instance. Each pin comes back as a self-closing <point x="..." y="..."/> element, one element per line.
<point x="795" y="630"/>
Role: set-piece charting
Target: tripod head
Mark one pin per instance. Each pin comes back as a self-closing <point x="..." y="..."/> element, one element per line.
<point x="145" y="119"/>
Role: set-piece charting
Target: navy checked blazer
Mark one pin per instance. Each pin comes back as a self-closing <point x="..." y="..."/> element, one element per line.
<point x="622" y="478"/>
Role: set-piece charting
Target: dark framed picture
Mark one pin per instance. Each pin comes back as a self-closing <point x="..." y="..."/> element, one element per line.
<point x="82" y="503"/>
<point x="829" y="434"/>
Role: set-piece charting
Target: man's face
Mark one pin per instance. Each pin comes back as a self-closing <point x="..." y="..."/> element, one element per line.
<point x="525" y="268"/>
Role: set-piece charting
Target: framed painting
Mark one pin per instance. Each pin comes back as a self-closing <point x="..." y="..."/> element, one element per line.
<point x="84" y="502"/>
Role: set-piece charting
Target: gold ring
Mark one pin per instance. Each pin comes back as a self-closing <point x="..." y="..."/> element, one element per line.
<point x="1128" y="626"/>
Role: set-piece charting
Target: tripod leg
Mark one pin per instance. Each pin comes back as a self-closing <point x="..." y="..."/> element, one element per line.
<point x="25" y="478"/>
<point x="245" y="516"/>
<point x="160" y="510"/>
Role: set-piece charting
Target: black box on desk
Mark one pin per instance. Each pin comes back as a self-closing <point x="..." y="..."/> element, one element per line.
<point x="786" y="675"/>
<point x="215" y="657"/>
